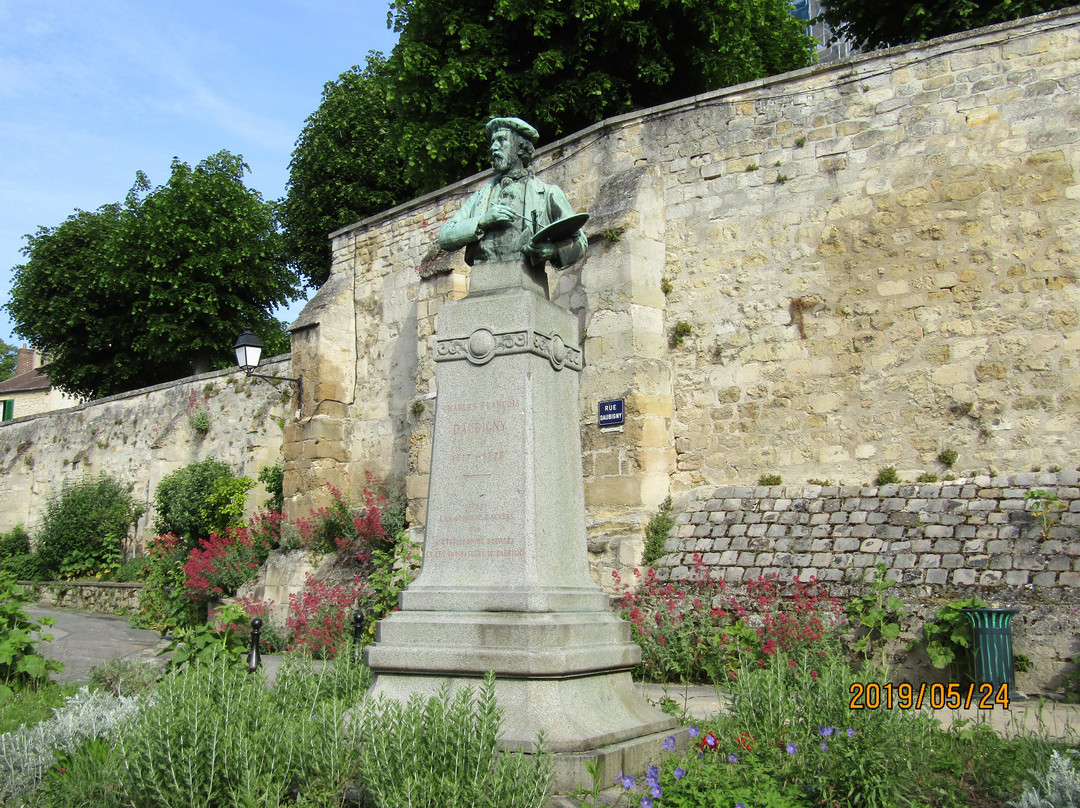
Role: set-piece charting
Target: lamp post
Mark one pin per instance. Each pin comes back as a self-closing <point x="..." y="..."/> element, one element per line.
<point x="248" y="349"/>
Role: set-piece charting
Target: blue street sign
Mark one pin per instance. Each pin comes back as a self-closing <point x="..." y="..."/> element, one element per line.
<point x="611" y="413"/>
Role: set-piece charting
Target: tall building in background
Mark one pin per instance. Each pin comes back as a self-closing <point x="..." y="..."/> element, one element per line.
<point x="809" y="10"/>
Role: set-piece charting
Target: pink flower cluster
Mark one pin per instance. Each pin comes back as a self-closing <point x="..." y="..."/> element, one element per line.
<point x="318" y="618"/>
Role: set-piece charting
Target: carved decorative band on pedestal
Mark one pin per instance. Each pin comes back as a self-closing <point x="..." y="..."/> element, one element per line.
<point x="482" y="346"/>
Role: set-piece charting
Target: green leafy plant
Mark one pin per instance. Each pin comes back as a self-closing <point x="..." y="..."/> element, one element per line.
<point x="612" y="235"/>
<point x="1046" y="507"/>
<point x="887" y="476"/>
<point x="770" y="479"/>
<point x="656" y="533"/>
<point x="666" y="286"/>
<point x="751" y="167"/>
<point x="680" y="332"/>
<point x="224" y="505"/>
<point x="948" y="636"/>
<point x="877" y="613"/>
<point x="20" y="664"/>
<point x="401" y="763"/>
<point x="180" y="500"/>
<point x="125" y="677"/>
<point x="417" y="408"/>
<point x="85" y="525"/>
<point x="800" y="142"/>
<point x="392" y="570"/>
<point x="273" y="478"/>
<point x="927" y="477"/>
<point x="15" y="542"/>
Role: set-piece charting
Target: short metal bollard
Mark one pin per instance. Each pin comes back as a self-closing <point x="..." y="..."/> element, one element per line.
<point x="254" y="659"/>
<point x="992" y="637"/>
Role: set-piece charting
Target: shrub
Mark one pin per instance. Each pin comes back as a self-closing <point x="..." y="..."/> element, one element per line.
<point x="1057" y="787"/>
<point x="15" y="542"/>
<point x="215" y="735"/>
<point x="134" y="569"/>
<point x="770" y="479"/>
<point x="181" y="499"/>
<point x="26" y="567"/>
<point x="28" y="753"/>
<point x="162" y="600"/>
<point x="224" y="506"/>
<point x="442" y="752"/>
<point x="84" y="526"/>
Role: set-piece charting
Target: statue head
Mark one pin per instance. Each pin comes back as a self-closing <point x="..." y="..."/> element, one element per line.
<point x="512" y="143"/>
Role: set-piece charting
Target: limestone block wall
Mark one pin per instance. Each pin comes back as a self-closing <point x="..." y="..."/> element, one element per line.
<point x="939" y="542"/>
<point x="141" y="436"/>
<point x="870" y="262"/>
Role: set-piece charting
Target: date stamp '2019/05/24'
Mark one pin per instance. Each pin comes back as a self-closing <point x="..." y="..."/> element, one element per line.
<point x="937" y="696"/>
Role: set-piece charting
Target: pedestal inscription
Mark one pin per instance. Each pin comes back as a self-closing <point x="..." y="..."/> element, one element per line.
<point x="505" y="583"/>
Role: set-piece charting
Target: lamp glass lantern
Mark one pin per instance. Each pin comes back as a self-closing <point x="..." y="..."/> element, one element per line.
<point x="248" y="350"/>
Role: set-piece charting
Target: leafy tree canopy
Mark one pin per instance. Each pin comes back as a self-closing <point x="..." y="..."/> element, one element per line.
<point x="874" y="25"/>
<point x="145" y="291"/>
<point x="8" y="356"/>
<point x="559" y="65"/>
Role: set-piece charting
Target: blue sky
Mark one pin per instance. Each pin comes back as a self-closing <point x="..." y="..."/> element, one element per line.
<point x="92" y="92"/>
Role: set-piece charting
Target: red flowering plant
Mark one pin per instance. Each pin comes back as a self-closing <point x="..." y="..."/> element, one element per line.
<point x="688" y="632"/>
<point x="221" y="563"/>
<point x="319" y="618"/>
<point x="695" y="631"/>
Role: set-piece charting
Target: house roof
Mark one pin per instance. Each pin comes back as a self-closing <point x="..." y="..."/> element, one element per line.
<point x="24" y="382"/>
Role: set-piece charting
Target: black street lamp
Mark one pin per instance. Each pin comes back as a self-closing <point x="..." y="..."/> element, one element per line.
<point x="248" y="349"/>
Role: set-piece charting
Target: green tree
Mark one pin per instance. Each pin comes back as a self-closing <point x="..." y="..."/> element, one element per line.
<point x="561" y="66"/>
<point x="149" y="290"/>
<point x="343" y="168"/>
<point x="8" y="355"/>
<point x="874" y="25"/>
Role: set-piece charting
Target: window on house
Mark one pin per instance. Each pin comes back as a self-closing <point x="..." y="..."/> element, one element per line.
<point x="8" y="409"/>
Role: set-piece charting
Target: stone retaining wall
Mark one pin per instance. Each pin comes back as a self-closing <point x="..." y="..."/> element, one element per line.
<point x="141" y="436"/>
<point x="100" y="597"/>
<point x="939" y="542"/>
<point x="976" y="532"/>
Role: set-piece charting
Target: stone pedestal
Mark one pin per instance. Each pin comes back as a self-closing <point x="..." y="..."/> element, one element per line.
<point x="505" y="584"/>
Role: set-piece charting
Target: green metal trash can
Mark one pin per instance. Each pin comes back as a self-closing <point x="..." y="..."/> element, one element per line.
<point x="991" y="632"/>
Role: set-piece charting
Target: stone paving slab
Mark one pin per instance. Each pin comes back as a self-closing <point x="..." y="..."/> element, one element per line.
<point x="83" y="640"/>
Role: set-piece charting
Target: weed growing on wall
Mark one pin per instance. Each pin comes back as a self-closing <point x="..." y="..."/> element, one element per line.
<point x="657" y="531"/>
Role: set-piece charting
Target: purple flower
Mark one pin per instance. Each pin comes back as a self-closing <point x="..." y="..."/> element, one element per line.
<point x="656" y="791"/>
<point x="851" y="733"/>
<point x="679" y="772"/>
<point x="792" y="749"/>
<point x="740" y="805"/>
<point x="824" y="746"/>
<point x="627" y="780"/>
<point x="669" y="743"/>
<point x="652" y="774"/>
<point x="732" y="758"/>
<point x="646" y="802"/>
<point x="825" y="732"/>
<point x="692" y="732"/>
